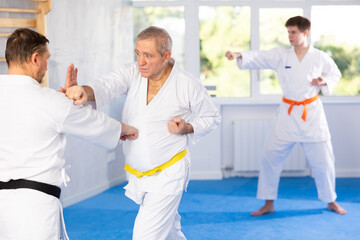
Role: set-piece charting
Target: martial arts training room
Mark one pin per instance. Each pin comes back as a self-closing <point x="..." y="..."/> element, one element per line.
<point x="180" y="119"/>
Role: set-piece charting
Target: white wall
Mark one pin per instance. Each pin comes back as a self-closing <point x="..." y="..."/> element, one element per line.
<point x="95" y="35"/>
<point x="343" y="119"/>
<point x="206" y="156"/>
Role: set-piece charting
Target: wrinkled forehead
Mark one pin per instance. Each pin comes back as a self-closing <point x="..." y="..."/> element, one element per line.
<point x="146" y="45"/>
<point x="146" y="41"/>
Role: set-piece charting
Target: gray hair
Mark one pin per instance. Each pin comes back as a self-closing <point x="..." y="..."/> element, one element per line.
<point x="161" y="36"/>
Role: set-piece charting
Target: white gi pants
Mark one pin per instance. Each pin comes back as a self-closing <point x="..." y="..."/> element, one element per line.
<point x="319" y="156"/>
<point x="159" y="196"/>
<point x="158" y="218"/>
<point x="27" y="214"/>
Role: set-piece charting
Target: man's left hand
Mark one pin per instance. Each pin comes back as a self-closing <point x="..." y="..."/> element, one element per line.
<point x="318" y="82"/>
<point x="179" y="126"/>
<point x="71" y="78"/>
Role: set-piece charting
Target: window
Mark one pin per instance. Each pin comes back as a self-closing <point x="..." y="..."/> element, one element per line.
<point x="273" y="33"/>
<point x="203" y="30"/>
<point x="216" y="37"/>
<point x="339" y="37"/>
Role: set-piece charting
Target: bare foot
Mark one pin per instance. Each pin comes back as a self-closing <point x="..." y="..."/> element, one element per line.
<point x="334" y="206"/>
<point x="267" y="208"/>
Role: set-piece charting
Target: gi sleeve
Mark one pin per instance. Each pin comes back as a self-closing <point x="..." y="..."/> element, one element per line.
<point x="255" y="60"/>
<point x="206" y="115"/>
<point x="330" y="74"/>
<point x="114" y="84"/>
<point x="92" y="126"/>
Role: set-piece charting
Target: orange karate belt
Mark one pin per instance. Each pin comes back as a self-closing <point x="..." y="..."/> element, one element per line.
<point x="306" y="101"/>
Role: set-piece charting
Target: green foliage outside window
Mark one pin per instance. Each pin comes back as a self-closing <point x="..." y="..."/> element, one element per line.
<point x="216" y="37"/>
<point x="347" y="58"/>
<point x="228" y="28"/>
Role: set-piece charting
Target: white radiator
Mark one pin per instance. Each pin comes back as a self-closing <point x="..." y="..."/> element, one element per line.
<point x="250" y="136"/>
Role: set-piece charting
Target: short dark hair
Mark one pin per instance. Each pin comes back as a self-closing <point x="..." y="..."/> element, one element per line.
<point x="301" y="22"/>
<point x="161" y="36"/>
<point x="22" y="43"/>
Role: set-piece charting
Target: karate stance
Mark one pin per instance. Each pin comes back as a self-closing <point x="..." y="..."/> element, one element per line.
<point x="33" y="122"/>
<point x="302" y="71"/>
<point x="160" y="99"/>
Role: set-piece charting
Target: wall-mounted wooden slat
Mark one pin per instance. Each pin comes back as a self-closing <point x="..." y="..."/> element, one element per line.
<point x="42" y="8"/>
<point x="19" y="10"/>
<point x="17" y="22"/>
<point x="4" y="34"/>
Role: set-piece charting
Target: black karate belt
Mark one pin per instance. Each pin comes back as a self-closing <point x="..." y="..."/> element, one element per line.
<point x="23" y="183"/>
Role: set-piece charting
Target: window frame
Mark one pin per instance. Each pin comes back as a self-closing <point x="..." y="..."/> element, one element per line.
<point x="192" y="27"/>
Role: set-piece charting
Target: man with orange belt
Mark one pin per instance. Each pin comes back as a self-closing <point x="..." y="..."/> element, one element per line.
<point x="160" y="97"/>
<point x="302" y="71"/>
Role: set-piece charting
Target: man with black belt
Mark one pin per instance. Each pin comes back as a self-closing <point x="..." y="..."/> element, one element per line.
<point x="32" y="125"/>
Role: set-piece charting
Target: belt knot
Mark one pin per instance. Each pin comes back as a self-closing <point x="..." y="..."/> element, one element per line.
<point x="306" y="101"/>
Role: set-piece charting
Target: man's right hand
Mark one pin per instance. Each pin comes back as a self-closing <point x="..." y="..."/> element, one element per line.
<point x="77" y="94"/>
<point x="232" y="55"/>
<point x="128" y="132"/>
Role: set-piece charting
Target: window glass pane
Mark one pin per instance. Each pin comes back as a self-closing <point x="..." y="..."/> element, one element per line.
<point x="169" y="18"/>
<point x="217" y="36"/>
<point x="273" y="33"/>
<point x="334" y="31"/>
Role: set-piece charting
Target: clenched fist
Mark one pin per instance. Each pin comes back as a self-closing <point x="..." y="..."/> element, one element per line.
<point x="179" y="126"/>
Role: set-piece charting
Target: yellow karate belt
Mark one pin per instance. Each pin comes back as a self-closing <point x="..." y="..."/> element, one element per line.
<point x="172" y="161"/>
<point x="306" y="101"/>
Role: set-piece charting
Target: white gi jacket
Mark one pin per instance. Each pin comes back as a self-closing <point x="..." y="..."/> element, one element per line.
<point x="295" y="80"/>
<point x="32" y="143"/>
<point x="32" y="126"/>
<point x="180" y="96"/>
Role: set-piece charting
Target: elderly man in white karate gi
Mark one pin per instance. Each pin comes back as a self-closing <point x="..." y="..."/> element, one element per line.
<point x="160" y="99"/>
<point x="303" y="72"/>
<point x="33" y="122"/>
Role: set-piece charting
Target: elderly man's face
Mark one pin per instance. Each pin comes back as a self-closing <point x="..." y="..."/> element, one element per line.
<point x="149" y="60"/>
